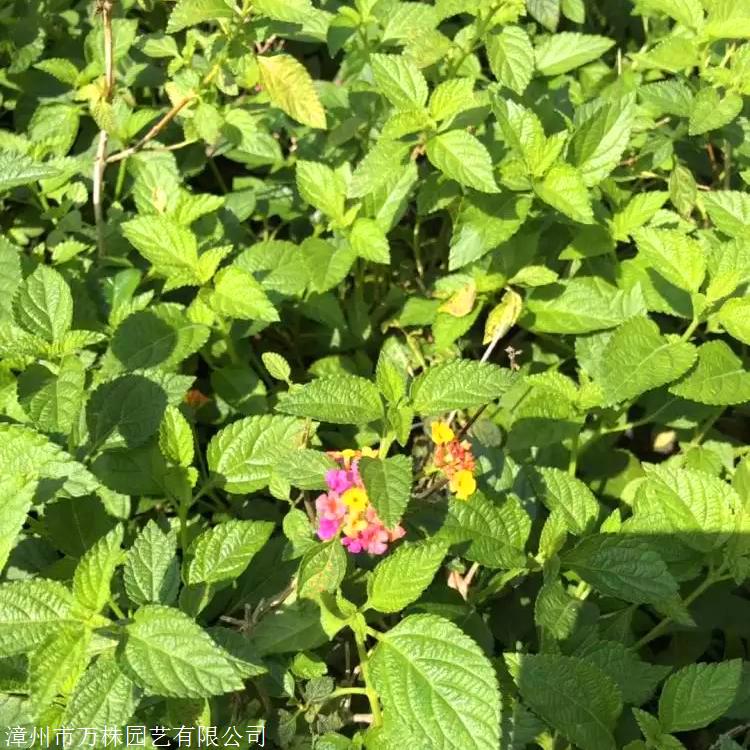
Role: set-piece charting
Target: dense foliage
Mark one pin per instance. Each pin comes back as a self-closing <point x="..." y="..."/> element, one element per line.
<point x="373" y="374"/>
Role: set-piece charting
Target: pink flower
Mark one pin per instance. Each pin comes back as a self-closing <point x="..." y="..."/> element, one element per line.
<point x="328" y="528"/>
<point x="396" y="533"/>
<point x="330" y="507"/>
<point x="338" y="480"/>
<point x="352" y="544"/>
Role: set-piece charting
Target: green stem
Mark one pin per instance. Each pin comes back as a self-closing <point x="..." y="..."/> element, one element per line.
<point x="372" y="696"/>
<point x="691" y="328"/>
<point x="217" y="174"/>
<point x="658" y="629"/>
<point x="120" y="179"/>
<point x="116" y="609"/>
<point x="573" y="462"/>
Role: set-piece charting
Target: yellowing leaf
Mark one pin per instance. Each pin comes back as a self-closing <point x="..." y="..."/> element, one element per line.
<point x="291" y="89"/>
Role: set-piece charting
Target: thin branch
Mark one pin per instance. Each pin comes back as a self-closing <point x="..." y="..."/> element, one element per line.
<point x="155" y="130"/>
<point x="100" y="162"/>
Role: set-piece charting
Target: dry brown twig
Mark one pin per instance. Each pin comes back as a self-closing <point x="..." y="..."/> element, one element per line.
<point x="100" y="162"/>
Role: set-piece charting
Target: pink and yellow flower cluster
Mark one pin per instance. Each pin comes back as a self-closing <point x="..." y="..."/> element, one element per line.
<point x="454" y="459"/>
<point x="345" y="509"/>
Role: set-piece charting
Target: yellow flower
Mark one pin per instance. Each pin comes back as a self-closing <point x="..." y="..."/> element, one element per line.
<point x="370" y="452"/>
<point x="354" y="524"/>
<point x="442" y="433"/>
<point x="356" y="499"/>
<point x="463" y="484"/>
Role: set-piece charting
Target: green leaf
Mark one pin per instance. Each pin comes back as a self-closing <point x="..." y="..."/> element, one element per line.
<point x="463" y="158"/>
<point x="625" y="567"/>
<point x="192" y="12"/>
<point x="729" y="211"/>
<point x="171" y="249"/>
<point x="638" y="358"/>
<point x="19" y="169"/>
<point x="687" y="12"/>
<point x="290" y="11"/>
<point x="402" y="577"/>
<point x="381" y="163"/>
<point x="511" y="58"/>
<point x="278" y="368"/>
<point x="711" y="112"/>
<point x="305" y="468"/>
<point x="151" y="573"/>
<point x="104" y="696"/>
<point x="599" y="142"/>
<point x="492" y="534"/>
<point x="547" y="12"/>
<point x="53" y="400"/>
<point x="580" y="305"/>
<point x="637" y="212"/>
<point x="458" y="384"/>
<point x="399" y="80"/>
<point x="58" y="660"/>
<point x="683" y="190"/>
<point x="237" y="294"/>
<point x="688" y="504"/>
<point x="222" y="552"/>
<point x="563" y="52"/>
<point x="574" y="697"/>
<point x="322" y="569"/>
<point x="436" y="685"/>
<point x="452" y="97"/>
<point x="388" y="483"/>
<point x="291" y="89"/>
<point x="718" y="379"/>
<point x="93" y="574"/>
<point x="564" y="188"/>
<point x="699" y="694"/>
<point x="369" y="241"/>
<point x="30" y="612"/>
<point x="338" y="399"/>
<point x="567" y="497"/>
<point x="734" y="316"/>
<point x="244" y="453"/>
<point x="176" y="437"/>
<point x="16" y="496"/>
<point x="485" y="222"/>
<point x="636" y="679"/>
<point x="43" y="304"/>
<point x="321" y="187"/>
<point x="291" y="627"/>
<point x="131" y="405"/>
<point x="168" y="654"/>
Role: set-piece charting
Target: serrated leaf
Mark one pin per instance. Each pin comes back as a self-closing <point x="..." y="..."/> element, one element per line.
<point x="563" y="52"/>
<point x="698" y="694"/>
<point x="16" y="496"/>
<point x="564" y="188"/>
<point x="382" y="162"/>
<point x="168" y="654"/>
<point x="321" y="187"/>
<point x="399" y="80"/>
<point x="222" y="552"/>
<point x="388" y="483"/>
<point x="60" y="659"/>
<point x="402" y="577"/>
<point x="171" y="248"/>
<point x="452" y="97"/>
<point x="338" y="399"/>
<point x="176" y="437"/>
<point x="571" y="695"/>
<point x="192" y="12"/>
<point x="734" y="316"/>
<point x="637" y="212"/>
<point x="492" y="534"/>
<point x="568" y="497"/>
<point x="290" y="11"/>
<point x="237" y="294"/>
<point x="291" y="89"/>
<point x="151" y="574"/>
<point x="368" y="241"/>
<point x="511" y="58"/>
<point x="547" y="12"/>
<point x="104" y="696"/>
<point x="711" y="112"/>
<point x="30" y="612"/>
<point x="729" y="211"/>
<point x="322" y="569"/>
<point x="625" y="567"/>
<point x="43" y="304"/>
<point x="93" y="575"/>
<point x="599" y="142"/>
<point x="436" y="685"/>
<point x="718" y="378"/>
<point x="638" y="358"/>
<point x="19" y="169"/>
<point x="244" y="453"/>
<point x="458" y="384"/>
<point x="462" y="157"/>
